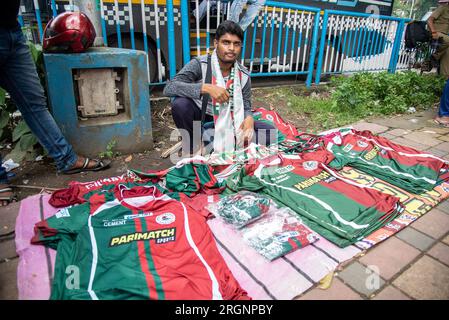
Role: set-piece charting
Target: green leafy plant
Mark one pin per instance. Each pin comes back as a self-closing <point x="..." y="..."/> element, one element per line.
<point x="109" y="153"/>
<point x="364" y="95"/>
<point x="385" y="93"/>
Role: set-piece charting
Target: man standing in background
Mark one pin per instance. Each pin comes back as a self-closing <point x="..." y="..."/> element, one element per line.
<point x="439" y="26"/>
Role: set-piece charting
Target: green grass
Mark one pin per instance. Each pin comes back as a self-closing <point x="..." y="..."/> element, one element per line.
<point x="349" y="99"/>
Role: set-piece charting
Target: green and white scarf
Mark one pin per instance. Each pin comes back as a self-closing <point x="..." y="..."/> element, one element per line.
<point x="229" y="116"/>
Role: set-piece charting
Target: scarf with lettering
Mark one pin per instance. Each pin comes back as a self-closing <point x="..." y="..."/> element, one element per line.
<point x="229" y="116"/>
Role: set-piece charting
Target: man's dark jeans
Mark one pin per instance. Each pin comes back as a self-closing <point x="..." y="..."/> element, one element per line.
<point x="185" y="112"/>
<point x="18" y="76"/>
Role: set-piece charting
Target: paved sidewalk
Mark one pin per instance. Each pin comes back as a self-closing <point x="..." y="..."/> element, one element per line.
<point x="413" y="264"/>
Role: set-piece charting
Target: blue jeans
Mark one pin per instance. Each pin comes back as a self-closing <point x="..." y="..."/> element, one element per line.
<point x="252" y="11"/>
<point x="202" y="8"/>
<point x="18" y="76"/>
<point x="444" y="102"/>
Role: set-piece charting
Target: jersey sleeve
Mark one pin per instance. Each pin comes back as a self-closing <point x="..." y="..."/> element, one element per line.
<point x="244" y="179"/>
<point x="66" y="222"/>
<point x="339" y="162"/>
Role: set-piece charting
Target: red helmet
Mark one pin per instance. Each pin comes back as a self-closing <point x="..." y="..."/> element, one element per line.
<point x="69" y="32"/>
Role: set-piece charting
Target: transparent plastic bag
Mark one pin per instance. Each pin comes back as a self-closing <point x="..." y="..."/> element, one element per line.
<point x="241" y="208"/>
<point x="277" y="233"/>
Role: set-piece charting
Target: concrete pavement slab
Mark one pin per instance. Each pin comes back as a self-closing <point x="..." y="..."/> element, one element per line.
<point x="437" y="130"/>
<point x="425" y="279"/>
<point x="401" y="123"/>
<point x="443" y="146"/>
<point x="337" y="291"/>
<point x="373" y="127"/>
<point x="387" y="135"/>
<point x="8" y="216"/>
<point x="440" y="251"/>
<point x="444" y="206"/>
<point x="399" y="132"/>
<point x="446" y="240"/>
<point x="390" y="257"/>
<point x="391" y="293"/>
<point x="7" y="249"/>
<point x="436" y="152"/>
<point x="444" y="137"/>
<point x="410" y="143"/>
<point x="8" y="281"/>
<point x="415" y="238"/>
<point x="434" y="223"/>
<point x="361" y="279"/>
<point x="428" y="139"/>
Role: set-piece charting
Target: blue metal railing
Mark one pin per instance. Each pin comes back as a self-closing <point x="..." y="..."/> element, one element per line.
<point x="370" y="43"/>
<point x="283" y="40"/>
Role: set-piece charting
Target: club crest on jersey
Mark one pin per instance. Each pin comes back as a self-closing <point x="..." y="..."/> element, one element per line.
<point x="159" y="236"/>
<point x="362" y="144"/>
<point x="310" y="165"/>
<point x="64" y="213"/>
<point x="166" y="218"/>
<point x="348" y="147"/>
<point x="269" y="117"/>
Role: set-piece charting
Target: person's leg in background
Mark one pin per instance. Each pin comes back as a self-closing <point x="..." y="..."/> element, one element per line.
<point x="443" y="112"/>
<point x="252" y="11"/>
<point x="18" y="76"/>
<point x="202" y="8"/>
<point x="236" y="10"/>
<point x="444" y="64"/>
<point x="443" y="44"/>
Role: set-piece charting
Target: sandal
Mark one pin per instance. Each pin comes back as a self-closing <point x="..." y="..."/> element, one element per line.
<point x="9" y="199"/>
<point x="441" y="123"/>
<point x="100" y="165"/>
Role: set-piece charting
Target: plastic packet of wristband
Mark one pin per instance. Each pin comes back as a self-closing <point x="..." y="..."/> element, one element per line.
<point x="241" y="208"/>
<point x="277" y="233"/>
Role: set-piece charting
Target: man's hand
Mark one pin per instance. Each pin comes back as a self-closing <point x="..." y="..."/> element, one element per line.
<point x="220" y="94"/>
<point x="247" y="128"/>
<point x="435" y="35"/>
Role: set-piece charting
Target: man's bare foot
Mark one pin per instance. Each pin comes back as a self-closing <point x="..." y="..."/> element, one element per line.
<point x="6" y="195"/>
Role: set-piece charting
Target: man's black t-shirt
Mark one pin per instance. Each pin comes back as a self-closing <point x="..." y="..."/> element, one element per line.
<point x="8" y="13"/>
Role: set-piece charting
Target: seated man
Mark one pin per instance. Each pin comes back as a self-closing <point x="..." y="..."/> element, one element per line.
<point x="229" y="106"/>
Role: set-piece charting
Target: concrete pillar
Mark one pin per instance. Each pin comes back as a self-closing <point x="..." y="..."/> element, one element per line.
<point x="92" y="9"/>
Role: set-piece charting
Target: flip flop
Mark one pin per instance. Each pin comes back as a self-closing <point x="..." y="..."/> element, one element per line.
<point x="441" y="123"/>
<point x="100" y="165"/>
<point x="9" y="199"/>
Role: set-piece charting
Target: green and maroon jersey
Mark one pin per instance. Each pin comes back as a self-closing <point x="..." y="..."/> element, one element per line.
<point x="401" y="166"/>
<point x="336" y="208"/>
<point x="182" y="181"/>
<point x="285" y="129"/>
<point x="135" y="244"/>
